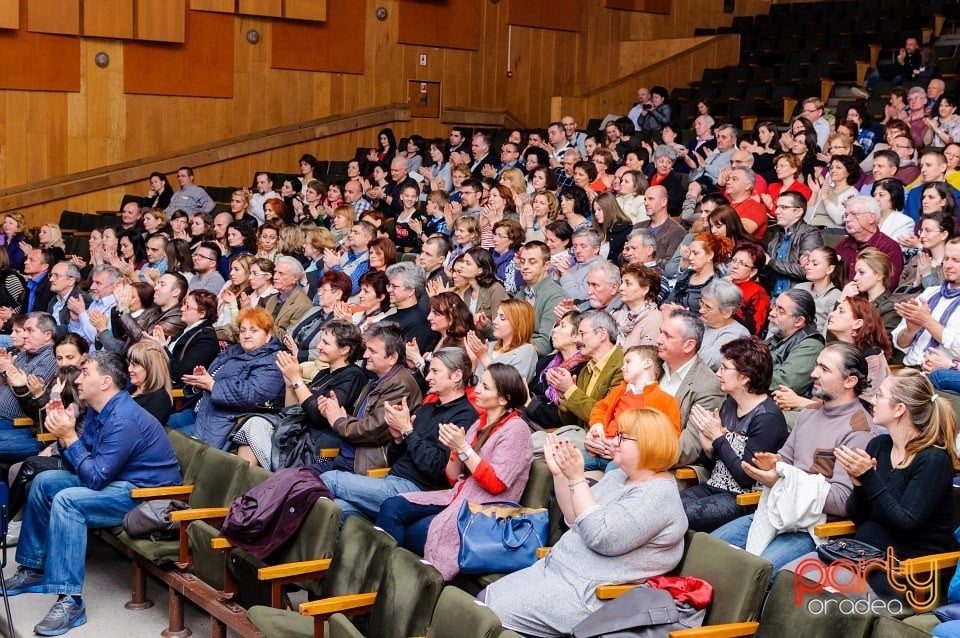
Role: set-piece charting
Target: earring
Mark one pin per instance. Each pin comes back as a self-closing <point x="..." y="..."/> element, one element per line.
<point x="853" y="334"/>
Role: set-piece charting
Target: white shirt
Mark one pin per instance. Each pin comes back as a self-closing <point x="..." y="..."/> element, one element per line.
<point x="670" y="382"/>
<point x="950" y="344"/>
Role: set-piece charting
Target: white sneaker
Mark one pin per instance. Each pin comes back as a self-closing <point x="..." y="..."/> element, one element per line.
<point x="857" y="91"/>
<point x="13" y="533"/>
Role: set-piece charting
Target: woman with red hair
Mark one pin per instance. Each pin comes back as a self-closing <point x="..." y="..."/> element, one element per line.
<point x="706" y="253"/>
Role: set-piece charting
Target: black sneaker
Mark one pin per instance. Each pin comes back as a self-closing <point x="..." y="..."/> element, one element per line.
<point x="25" y="581"/>
<point x="62" y="617"/>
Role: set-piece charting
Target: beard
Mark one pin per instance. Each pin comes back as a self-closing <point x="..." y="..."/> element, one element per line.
<point x="820" y="393"/>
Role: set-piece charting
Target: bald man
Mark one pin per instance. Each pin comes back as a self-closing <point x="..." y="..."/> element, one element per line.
<point x="668" y="233"/>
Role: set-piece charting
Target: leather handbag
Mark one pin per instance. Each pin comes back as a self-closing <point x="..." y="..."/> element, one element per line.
<point x="499" y="537"/>
<point x="848" y="548"/>
<point x="151" y="519"/>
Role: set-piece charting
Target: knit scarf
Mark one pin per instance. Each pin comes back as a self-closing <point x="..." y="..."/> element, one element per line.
<point x="559" y="362"/>
<point x="950" y="294"/>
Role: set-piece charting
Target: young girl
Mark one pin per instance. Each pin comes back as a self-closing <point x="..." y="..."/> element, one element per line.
<point x="406" y="230"/>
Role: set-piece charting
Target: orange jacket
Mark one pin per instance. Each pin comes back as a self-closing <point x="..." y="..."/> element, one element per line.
<point x="618" y="401"/>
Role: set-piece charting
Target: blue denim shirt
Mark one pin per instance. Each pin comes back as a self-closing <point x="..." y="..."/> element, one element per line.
<point x="124" y="442"/>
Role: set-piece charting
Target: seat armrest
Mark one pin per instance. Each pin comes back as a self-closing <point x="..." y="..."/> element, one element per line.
<point x="685" y="474"/>
<point x="748" y="499"/>
<point x="609" y="592"/>
<point x="302" y="568"/>
<point x="169" y="491"/>
<point x="23" y="422"/>
<point x="379" y="472"/>
<point x="542" y="552"/>
<point x="730" y="630"/>
<point x="326" y="606"/>
<point x="219" y="542"/>
<point x="198" y="514"/>
<point x="933" y="562"/>
<point x="836" y="528"/>
<point x="46" y="437"/>
<point x="329" y="452"/>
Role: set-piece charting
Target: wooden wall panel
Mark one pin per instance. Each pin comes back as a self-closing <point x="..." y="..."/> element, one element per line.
<point x="648" y="6"/>
<point x="9" y="14"/>
<point x="450" y="24"/>
<point x="201" y="67"/>
<point x="545" y="14"/>
<point x="53" y="61"/>
<point x="108" y="19"/>
<point x="271" y="8"/>
<point x="315" y="10"/>
<point x="337" y="45"/>
<point x="161" y="20"/>
<point x="686" y="15"/>
<point x="54" y="16"/>
<point x="220" y="6"/>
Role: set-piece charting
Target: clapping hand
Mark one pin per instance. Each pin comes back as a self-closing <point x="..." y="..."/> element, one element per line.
<point x="452" y="436"/>
<point x="61" y="422"/>
<point x="98" y="320"/>
<point x="560" y="379"/>
<point x="413" y="353"/>
<point x="563" y="458"/>
<point x="330" y="259"/>
<point x="915" y="312"/>
<point x="476" y="347"/>
<point x="16" y="377"/>
<point x="35" y="385"/>
<point x="289" y="367"/>
<point x="763" y="469"/>
<point x="707" y="422"/>
<point x="199" y="379"/>
<point x="76" y="305"/>
<point x="934" y="360"/>
<point x="481" y="320"/>
<point x="398" y="418"/>
<point x="563" y="308"/>
<point x="330" y="408"/>
<point x="855" y="462"/>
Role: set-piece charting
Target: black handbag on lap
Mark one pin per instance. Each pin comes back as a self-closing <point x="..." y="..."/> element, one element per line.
<point x="848" y="548"/>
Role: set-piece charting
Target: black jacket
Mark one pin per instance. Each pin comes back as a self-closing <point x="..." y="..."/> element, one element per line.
<point x="197" y="347"/>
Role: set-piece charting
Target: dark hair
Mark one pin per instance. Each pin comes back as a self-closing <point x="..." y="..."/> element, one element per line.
<point x="136" y="240"/>
<point x="751" y="357"/>
<point x="561" y="230"/>
<point x="508" y="384"/>
<point x="945" y="220"/>
<point x="756" y="252"/>
<point x="215" y="247"/>
<point x="543" y="160"/>
<point x="625" y="124"/>
<point x="206" y="304"/>
<point x="514" y="232"/>
<point x="249" y="238"/>
<point x="181" y="285"/>
<point x="581" y="203"/>
<point x="338" y="280"/>
<point x="391" y="335"/>
<point x="112" y="365"/>
<point x="894" y="188"/>
<point x="851" y="165"/>
<point x="346" y="335"/>
<point x="145" y="293"/>
<point x="455" y="309"/>
<point x="484" y="261"/>
<point x="163" y="179"/>
<point x="853" y="363"/>
<point x="307" y="158"/>
<point x="659" y="90"/>
<point x="646" y="276"/>
<point x="950" y="205"/>
<point x="72" y="338"/>
<point x="550" y="176"/>
<point x="387" y="248"/>
<point x="391" y="140"/>
<point x="587" y="167"/>
<point x="731" y="221"/>
<point x="806" y="306"/>
<point x="377" y="280"/>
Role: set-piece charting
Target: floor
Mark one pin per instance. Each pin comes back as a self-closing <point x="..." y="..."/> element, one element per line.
<point x="106" y="589"/>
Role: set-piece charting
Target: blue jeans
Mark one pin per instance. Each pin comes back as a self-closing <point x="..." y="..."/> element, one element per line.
<point x="59" y="511"/>
<point x="364" y="495"/>
<point x="783" y="549"/>
<point x="184" y="421"/>
<point x="591" y="462"/>
<point x="947" y="380"/>
<point x="18" y="444"/>
<point x="407" y="522"/>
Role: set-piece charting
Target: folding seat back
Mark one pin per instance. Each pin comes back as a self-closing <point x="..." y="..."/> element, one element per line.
<point x="783" y="618"/>
<point x="405" y="600"/>
<point x="189" y="453"/>
<point x="219" y="479"/>
<point x="459" y="615"/>
<point x="739" y="579"/>
<point x="359" y="559"/>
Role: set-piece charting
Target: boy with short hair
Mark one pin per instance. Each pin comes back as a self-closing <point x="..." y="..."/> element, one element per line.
<point x="639" y="389"/>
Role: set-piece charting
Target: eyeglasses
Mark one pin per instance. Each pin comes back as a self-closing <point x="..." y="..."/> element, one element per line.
<point x="739" y="262"/>
<point x="202" y="256"/>
<point x="727" y="368"/>
<point x="621" y="438"/>
<point x="581" y="333"/>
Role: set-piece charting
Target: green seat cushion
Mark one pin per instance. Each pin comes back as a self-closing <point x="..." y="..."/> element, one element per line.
<point x="279" y="623"/>
<point x="157" y="552"/>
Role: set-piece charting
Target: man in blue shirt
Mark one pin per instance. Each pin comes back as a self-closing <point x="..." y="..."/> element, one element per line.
<point x="122" y="446"/>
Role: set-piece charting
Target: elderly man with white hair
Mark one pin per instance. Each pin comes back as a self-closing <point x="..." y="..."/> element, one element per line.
<point x="862" y="223"/>
<point x="291" y="303"/>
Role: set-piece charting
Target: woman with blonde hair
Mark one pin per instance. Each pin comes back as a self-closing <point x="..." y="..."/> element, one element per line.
<point x="51" y="238"/>
<point x="15" y="238"/>
<point x="239" y="282"/>
<point x="343" y="220"/>
<point x="513" y="327"/>
<point x="613" y="225"/>
<point x="149" y="367"/>
<point x="154" y="221"/>
<point x="629" y="527"/>
<point x="514" y="179"/>
<point x="540" y="212"/>
<point x="240" y="205"/>
<point x="871" y="280"/>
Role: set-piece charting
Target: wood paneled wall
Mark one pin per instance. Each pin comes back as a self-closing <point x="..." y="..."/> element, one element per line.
<point x="51" y="134"/>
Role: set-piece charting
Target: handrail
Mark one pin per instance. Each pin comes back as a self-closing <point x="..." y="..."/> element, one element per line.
<point x="119" y="174"/>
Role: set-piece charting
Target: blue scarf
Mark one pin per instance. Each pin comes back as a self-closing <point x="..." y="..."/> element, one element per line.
<point x="945" y="292"/>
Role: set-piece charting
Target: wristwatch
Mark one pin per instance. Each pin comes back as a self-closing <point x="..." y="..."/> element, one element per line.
<point x="296" y="385"/>
<point x="403" y="436"/>
<point x="463" y="456"/>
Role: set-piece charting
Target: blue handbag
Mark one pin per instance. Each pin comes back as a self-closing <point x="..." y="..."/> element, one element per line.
<point x="500" y="537"/>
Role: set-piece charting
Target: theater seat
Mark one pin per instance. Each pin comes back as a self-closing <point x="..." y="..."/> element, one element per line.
<point x="459" y="615"/>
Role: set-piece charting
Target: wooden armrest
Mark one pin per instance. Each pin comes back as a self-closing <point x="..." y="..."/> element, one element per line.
<point x="718" y="631"/>
<point x="329" y="452"/>
<point x="837" y="528"/>
<point x="23" y="422"/>
<point x="177" y="393"/>
<point x="302" y="568"/>
<point x="933" y="562"/>
<point x="46" y="437"/>
<point x="169" y="491"/>
<point x="337" y="604"/>
<point x="220" y="543"/>
<point x="198" y="514"/>
<point x="379" y="472"/>
<point x="685" y="474"/>
<point x="609" y="592"/>
<point x="542" y="552"/>
<point x="748" y="499"/>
